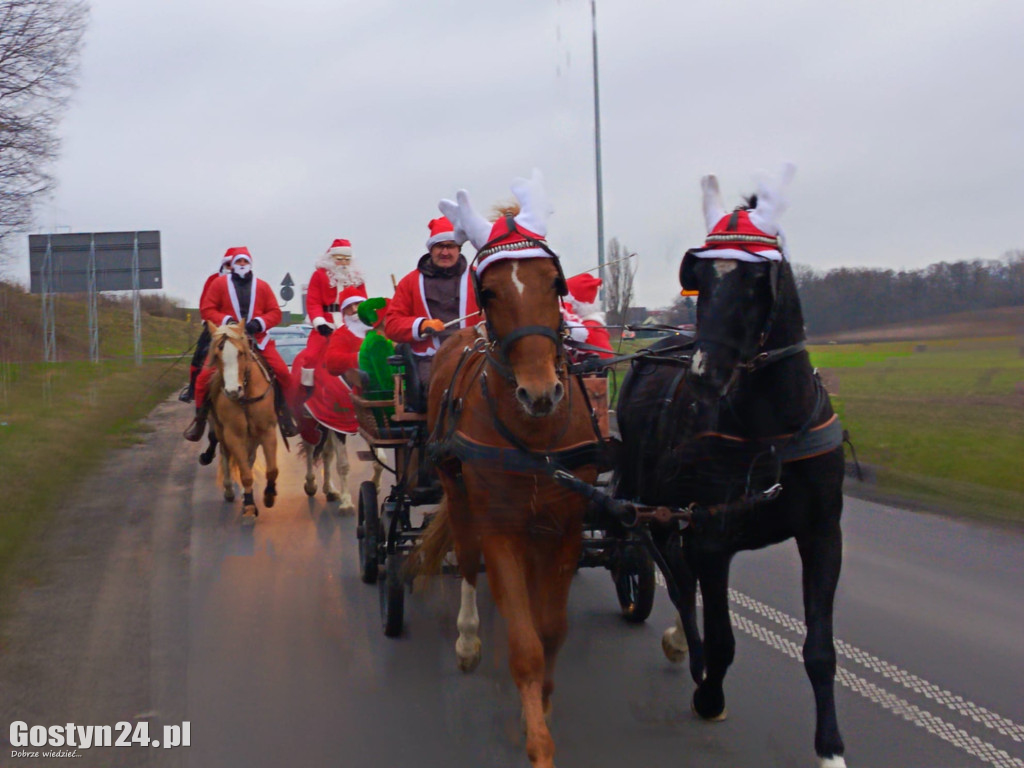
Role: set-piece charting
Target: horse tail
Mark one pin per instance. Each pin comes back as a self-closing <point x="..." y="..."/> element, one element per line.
<point x="436" y="542"/>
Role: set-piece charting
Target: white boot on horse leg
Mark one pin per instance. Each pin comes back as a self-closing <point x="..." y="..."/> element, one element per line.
<point x="673" y="642"/>
<point x="341" y="457"/>
<point x="467" y="647"/>
<point x="326" y="458"/>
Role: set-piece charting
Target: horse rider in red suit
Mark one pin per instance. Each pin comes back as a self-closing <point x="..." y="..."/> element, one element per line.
<point x="437" y="292"/>
<point x="584" y="316"/>
<point x="188" y="394"/>
<point x="336" y="285"/>
<point x="240" y="297"/>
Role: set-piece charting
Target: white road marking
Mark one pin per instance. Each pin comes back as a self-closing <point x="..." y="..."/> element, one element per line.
<point x="934" y="725"/>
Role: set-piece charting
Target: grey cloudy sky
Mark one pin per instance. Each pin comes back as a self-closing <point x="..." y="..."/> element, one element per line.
<point x="282" y="125"/>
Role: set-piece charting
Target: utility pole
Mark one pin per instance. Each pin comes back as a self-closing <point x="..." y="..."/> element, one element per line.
<point x="597" y="153"/>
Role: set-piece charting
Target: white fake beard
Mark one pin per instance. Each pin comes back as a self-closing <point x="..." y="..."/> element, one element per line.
<point x="241" y="269"/>
<point x="589" y="311"/>
<point x="357" y="326"/>
<point x="340" y="275"/>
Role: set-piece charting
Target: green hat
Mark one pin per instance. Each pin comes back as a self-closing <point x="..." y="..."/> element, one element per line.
<point x="372" y="311"/>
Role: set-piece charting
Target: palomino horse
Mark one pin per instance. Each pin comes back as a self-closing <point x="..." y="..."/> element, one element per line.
<point x="242" y="413"/>
<point x="330" y="451"/>
<point x="740" y="412"/>
<point x="500" y="403"/>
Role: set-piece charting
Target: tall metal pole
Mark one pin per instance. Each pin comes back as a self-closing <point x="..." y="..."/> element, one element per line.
<point x="94" y="318"/>
<point x="49" y="321"/>
<point x="136" y="308"/>
<point x="597" y="154"/>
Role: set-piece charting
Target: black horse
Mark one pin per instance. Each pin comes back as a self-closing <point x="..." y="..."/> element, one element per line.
<point x="721" y="422"/>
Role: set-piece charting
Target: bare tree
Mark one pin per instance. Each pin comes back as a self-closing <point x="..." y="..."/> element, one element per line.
<point x="618" y="282"/>
<point x="40" y="42"/>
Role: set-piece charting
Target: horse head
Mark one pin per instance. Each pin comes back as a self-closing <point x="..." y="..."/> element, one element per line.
<point x="230" y="353"/>
<point x="518" y="282"/>
<point x="737" y="276"/>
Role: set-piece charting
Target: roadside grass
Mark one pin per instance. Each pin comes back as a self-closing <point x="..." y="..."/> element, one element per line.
<point x="57" y="423"/>
<point x="940" y="422"/>
<point x="944" y="425"/>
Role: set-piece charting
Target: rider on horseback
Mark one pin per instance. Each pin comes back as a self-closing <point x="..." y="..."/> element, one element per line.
<point x="188" y="394"/>
<point x="240" y="297"/>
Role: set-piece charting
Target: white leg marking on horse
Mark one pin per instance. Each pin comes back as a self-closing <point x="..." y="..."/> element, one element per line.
<point x="341" y="451"/>
<point x="673" y="642"/>
<point x="467" y="647"/>
<point x="229" y="357"/>
<point x="310" y="485"/>
<point x="327" y="457"/>
<point x="515" y="278"/>
<point x="833" y="762"/>
<point x="699" y="362"/>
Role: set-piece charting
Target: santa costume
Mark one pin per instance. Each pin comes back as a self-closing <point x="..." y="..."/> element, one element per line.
<point x="583" y="314"/>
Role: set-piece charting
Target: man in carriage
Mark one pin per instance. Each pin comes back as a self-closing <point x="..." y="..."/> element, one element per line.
<point x="188" y="394"/>
<point x="240" y="297"/>
<point x="432" y="296"/>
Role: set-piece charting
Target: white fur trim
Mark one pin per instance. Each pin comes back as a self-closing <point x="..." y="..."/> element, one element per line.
<point x="262" y="322"/>
<point x="341" y="250"/>
<point x="577" y="331"/>
<point x="352" y="300"/>
<point x="416" y="328"/>
<point x="737" y="255"/>
<point x="442" y="237"/>
<point x="464" y="298"/>
<point x="317" y="322"/>
<point x="306" y="376"/>
<point x="435" y="343"/>
<point x="234" y="298"/>
<point x="526" y="253"/>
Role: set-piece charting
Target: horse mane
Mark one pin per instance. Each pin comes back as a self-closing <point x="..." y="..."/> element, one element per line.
<point x="749" y="202"/>
<point x="232" y="331"/>
<point x="501" y="210"/>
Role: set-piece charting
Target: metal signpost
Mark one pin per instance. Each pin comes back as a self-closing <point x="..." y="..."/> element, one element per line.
<point x="89" y="263"/>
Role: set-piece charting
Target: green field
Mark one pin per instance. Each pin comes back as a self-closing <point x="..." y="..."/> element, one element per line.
<point x="939" y="422"/>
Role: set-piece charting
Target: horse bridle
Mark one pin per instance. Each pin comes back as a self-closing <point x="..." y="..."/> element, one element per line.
<point x="244" y="400"/>
<point x="498" y="347"/>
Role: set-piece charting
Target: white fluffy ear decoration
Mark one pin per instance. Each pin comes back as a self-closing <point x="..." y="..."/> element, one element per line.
<point x="714" y="210"/>
<point x="771" y="200"/>
<point x="471" y="223"/>
<point x="450" y="210"/>
<point x="534" y="207"/>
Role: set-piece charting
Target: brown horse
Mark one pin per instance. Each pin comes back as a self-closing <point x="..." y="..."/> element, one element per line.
<point x="500" y="399"/>
<point x="242" y="413"/>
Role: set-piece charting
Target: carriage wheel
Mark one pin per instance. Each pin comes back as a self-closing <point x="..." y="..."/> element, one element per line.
<point x="634" y="583"/>
<point x="392" y="596"/>
<point x="367" y="532"/>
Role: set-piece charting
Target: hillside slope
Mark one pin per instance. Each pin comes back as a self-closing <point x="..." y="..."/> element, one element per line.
<point x="1004" y="321"/>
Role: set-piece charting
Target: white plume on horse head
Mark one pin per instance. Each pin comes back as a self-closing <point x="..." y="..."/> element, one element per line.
<point x="534" y="210"/>
<point x="771" y="199"/>
<point x="714" y="209"/>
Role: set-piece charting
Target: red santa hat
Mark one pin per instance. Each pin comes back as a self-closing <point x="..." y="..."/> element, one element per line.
<point x="225" y="260"/>
<point x="746" y="234"/>
<point x="340" y="247"/>
<point x="442" y="231"/>
<point x="234" y="254"/>
<point x="583" y="288"/>
<point x="352" y="294"/>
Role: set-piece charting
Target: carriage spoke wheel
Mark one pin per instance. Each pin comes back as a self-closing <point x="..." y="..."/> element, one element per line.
<point x="634" y="583"/>
<point x="392" y="596"/>
<point x="367" y="532"/>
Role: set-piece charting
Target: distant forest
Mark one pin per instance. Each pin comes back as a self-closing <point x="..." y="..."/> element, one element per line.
<point x="847" y="298"/>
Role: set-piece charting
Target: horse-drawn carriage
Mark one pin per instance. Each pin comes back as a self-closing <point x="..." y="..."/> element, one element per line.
<point x="388" y="532"/>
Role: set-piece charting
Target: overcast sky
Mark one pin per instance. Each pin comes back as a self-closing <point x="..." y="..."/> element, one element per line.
<point x="283" y="125"/>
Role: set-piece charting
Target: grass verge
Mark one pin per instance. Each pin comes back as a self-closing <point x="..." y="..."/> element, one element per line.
<point x="57" y="422"/>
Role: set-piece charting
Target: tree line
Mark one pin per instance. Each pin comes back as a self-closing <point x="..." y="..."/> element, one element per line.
<point x="848" y="298"/>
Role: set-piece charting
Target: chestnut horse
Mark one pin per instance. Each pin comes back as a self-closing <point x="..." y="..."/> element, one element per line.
<point x="500" y="402"/>
<point x="242" y="413"/>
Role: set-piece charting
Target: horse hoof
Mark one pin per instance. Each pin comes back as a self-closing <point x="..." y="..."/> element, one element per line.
<point x="722" y="714"/>
<point x="332" y="495"/>
<point x="229" y="495"/>
<point x="345" y="502"/>
<point x="670" y="646"/>
<point x="268" y="499"/>
<point x="309" y="488"/>
<point x="469" y="658"/>
<point x="836" y="761"/>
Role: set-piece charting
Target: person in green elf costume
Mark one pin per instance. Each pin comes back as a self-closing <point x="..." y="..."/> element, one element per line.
<point x="376" y="349"/>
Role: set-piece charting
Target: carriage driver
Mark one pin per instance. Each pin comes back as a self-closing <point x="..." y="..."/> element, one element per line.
<point x="435" y="293"/>
<point x="240" y="297"/>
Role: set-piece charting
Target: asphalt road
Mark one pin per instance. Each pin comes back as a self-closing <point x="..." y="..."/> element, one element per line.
<point x="146" y="601"/>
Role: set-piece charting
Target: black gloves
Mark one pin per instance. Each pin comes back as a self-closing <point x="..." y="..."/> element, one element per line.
<point x="324" y="330"/>
<point x="253" y="327"/>
<point x="231" y="321"/>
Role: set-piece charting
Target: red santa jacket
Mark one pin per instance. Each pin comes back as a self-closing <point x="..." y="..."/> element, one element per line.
<point x="342" y="351"/>
<point x="323" y="300"/>
<point x="206" y="287"/>
<point x="220" y="303"/>
<point x="408" y="310"/>
<point x="598" y="336"/>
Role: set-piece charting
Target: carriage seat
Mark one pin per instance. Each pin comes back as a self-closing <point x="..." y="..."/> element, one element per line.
<point x="415" y="390"/>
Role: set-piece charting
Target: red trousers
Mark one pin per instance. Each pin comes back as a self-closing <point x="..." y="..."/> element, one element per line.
<point x="270" y="354"/>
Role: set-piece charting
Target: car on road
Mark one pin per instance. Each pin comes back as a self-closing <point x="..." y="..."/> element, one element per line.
<point x="290" y="340"/>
